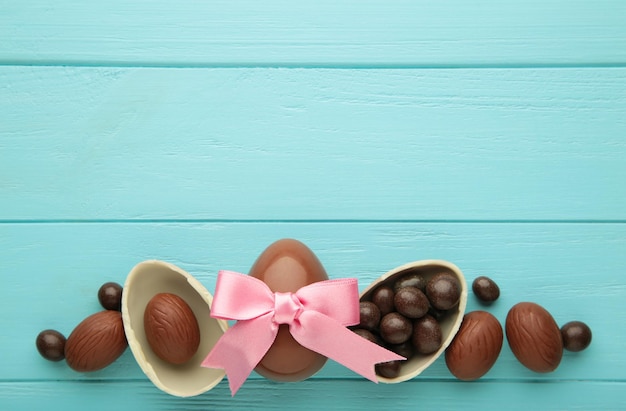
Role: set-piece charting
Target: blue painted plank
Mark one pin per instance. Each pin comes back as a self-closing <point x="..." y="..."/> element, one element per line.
<point x="282" y="144"/>
<point x="51" y="274"/>
<point x="320" y="394"/>
<point x="314" y="33"/>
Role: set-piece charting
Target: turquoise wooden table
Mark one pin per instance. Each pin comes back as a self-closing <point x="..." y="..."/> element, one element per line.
<point x="490" y="134"/>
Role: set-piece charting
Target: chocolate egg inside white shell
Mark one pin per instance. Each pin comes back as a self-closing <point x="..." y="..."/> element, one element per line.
<point x="449" y="324"/>
<point x="146" y="280"/>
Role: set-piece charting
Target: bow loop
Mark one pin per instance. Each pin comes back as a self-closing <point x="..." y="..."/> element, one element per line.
<point x="338" y="299"/>
<point x="240" y="297"/>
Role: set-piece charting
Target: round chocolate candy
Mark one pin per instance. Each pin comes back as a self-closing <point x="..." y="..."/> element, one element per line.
<point x="110" y="296"/>
<point x="51" y="345"/>
<point x="443" y="291"/>
<point x="576" y="336"/>
<point x="383" y="298"/>
<point x="389" y="369"/>
<point x="368" y="335"/>
<point x="411" y="302"/>
<point x="410" y="280"/>
<point x="369" y="315"/>
<point x="485" y="289"/>
<point x="405" y="349"/>
<point x="395" y="328"/>
<point x="427" y="336"/>
<point x="436" y="314"/>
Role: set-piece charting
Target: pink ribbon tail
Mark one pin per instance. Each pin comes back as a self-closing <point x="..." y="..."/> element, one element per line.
<point x="322" y="334"/>
<point x="241" y="348"/>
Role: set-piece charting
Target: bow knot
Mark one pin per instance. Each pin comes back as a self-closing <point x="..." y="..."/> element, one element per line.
<point x="317" y="316"/>
<point x="287" y="308"/>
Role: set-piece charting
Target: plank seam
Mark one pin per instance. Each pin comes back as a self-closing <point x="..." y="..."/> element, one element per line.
<point x="309" y="221"/>
<point x="306" y="66"/>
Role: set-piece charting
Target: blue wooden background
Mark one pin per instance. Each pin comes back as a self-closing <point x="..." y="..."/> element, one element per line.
<point x="491" y="134"/>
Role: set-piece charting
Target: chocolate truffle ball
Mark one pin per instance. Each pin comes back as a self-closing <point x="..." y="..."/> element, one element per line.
<point x="369" y="315"/>
<point x="485" y="289"/>
<point x="389" y="369"/>
<point x="395" y="328"/>
<point x="383" y="298"/>
<point x="110" y="296"/>
<point x="427" y="336"/>
<point x="443" y="291"/>
<point x="368" y="335"/>
<point x="405" y="349"/>
<point x="410" y="280"/>
<point x="411" y="302"/>
<point x="576" y="336"/>
<point x="51" y="345"/>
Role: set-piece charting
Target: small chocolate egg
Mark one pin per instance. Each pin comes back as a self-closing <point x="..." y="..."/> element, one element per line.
<point x="475" y="347"/>
<point x="534" y="337"/>
<point x="286" y="266"/>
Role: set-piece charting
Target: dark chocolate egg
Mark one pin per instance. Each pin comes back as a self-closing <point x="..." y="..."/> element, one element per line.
<point x="286" y="266"/>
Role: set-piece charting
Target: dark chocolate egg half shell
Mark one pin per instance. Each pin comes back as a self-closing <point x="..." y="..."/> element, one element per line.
<point x="286" y="266"/>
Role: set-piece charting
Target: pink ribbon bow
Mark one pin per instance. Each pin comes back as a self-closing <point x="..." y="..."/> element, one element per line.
<point x="317" y="316"/>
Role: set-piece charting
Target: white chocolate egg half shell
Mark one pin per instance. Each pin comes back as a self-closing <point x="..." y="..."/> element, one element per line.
<point x="450" y="324"/>
<point x="144" y="281"/>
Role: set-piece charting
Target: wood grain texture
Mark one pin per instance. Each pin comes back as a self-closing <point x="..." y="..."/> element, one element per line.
<point x="313" y="33"/>
<point x="573" y="270"/>
<point x="490" y="134"/>
<point x="282" y="144"/>
<point x="314" y="395"/>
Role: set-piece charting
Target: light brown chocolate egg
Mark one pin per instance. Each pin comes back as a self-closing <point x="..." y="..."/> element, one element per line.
<point x="286" y="266"/>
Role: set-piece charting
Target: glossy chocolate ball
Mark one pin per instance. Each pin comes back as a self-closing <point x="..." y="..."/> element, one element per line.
<point x="369" y="315"/>
<point x="443" y="291"/>
<point x="411" y="302"/>
<point x="395" y="328"/>
<point x="437" y="314"/>
<point x="485" y="289"/>
<point x="427" y="337"/>
<point x="110" y="296"/>
<point x="410" y="280"/>
<point x="51" y="345"/>
<point x="368" y="335"/>
<point x="576" y="336"/>
<point x="383" y="298"/>
<point x="405" y="349"/>
<point x="389" y="369"/>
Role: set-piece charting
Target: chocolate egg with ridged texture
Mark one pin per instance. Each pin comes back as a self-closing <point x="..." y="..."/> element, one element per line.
<point x="534" y="337"/>
<point x="286" y="266"/>
<point x="475" y="347"/>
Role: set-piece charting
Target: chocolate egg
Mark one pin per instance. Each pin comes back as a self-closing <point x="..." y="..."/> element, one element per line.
<point x="147" y="280"/>
<point x="449" y="322"/>
<point x="286" y="266"/>
<point x="534" y="337"/>
<point x="476" y="346"/>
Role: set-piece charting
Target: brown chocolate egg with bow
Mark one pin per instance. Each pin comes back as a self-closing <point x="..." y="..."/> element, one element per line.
<point x="286" y="266"/>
